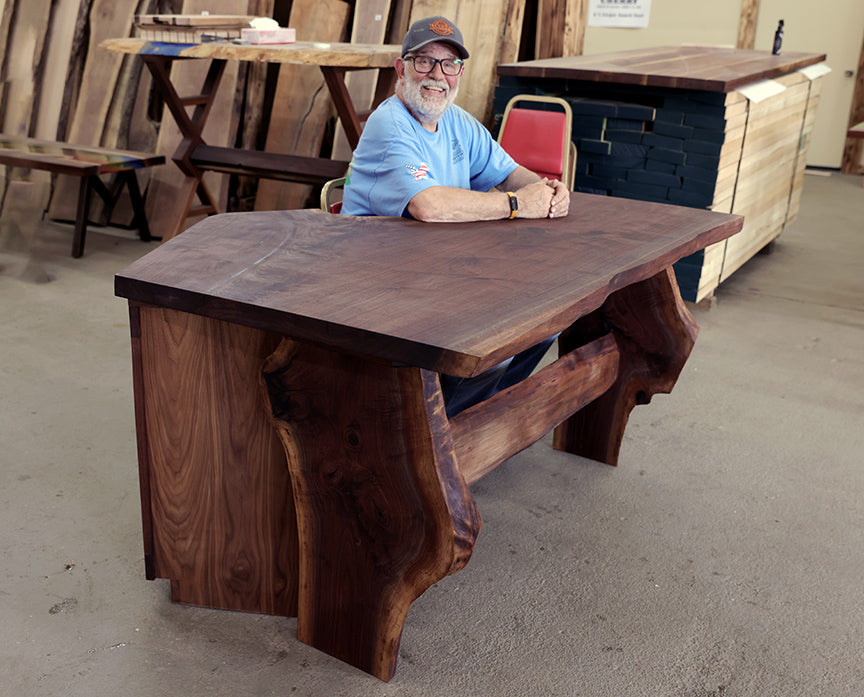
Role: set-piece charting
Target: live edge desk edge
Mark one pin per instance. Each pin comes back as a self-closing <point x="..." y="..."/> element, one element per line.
<point x="294" y="455"/>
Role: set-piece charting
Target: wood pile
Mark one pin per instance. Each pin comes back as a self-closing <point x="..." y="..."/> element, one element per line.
<point x="191" y="29"/>
<point x="771" y="171"/>
<point x="57" y="85"/>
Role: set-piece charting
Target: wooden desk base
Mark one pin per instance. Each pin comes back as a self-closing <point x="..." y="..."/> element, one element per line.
<point x="332" y="486"/>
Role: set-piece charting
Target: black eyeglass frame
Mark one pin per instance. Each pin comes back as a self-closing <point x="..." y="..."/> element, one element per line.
<point x="436" y="61"/>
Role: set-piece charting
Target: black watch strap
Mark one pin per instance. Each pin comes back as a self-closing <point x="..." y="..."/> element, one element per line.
<point x="514" y="205"/>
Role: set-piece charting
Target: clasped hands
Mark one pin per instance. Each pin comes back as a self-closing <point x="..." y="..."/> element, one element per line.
<point x="547" y="198"/>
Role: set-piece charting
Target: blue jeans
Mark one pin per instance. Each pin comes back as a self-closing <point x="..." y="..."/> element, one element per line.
<point x="461" y="393"/>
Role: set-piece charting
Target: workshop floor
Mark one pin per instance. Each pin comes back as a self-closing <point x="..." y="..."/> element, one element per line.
<point x="724" y="556"/>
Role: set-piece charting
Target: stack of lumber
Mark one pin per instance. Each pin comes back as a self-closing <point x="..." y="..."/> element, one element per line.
<point x="190" y="29"/>
<point x="736" y="145"/>
<point x="771" y="172"/>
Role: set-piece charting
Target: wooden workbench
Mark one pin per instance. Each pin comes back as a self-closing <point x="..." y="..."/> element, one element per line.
<point x="685" y="125"/>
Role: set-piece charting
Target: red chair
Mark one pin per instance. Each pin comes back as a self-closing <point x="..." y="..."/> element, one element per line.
<point x="331" y="195"/>
<point x="539" y="140"/>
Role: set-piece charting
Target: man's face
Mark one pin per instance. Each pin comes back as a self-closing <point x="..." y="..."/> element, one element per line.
<point x="429" y="95"/>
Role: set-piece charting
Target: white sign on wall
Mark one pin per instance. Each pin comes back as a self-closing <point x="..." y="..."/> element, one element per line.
<point x="619" y="13"/>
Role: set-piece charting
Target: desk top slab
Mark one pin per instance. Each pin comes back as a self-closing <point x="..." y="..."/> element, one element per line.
<point x="709" y="68"/>
<point x="343" y="55"/>
<point x="454" y="298"/>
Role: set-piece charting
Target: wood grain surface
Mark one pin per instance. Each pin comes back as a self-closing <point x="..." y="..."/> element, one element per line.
<point x="301" y="103"/>
<point x="382" y="510"/>
<point x="107" y="18"/>
<point x="170" y="190"/>
<point x="216" y="492"/>
<point x="450" y="298"/>
<point x="708" y="68"/>
<point x="488" y="433"/>
<point x="747" y="24"/>
<point x="369" y="27"/>
<point x="305" y="52"/>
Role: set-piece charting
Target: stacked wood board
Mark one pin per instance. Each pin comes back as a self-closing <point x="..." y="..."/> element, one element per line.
<point x="190" y="29"/>
<point x="720" y="129"/>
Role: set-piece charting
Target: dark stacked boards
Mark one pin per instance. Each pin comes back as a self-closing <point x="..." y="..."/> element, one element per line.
<point x="692" y="145"/>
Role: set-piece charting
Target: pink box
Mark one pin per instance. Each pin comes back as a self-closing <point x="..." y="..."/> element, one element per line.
<point x="282" y="35"/>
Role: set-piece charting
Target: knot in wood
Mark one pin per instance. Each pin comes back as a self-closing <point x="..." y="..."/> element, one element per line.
<point x="352" y="436"/>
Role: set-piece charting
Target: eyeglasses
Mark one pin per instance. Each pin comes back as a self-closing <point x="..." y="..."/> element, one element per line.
<point x="426" y="64"/>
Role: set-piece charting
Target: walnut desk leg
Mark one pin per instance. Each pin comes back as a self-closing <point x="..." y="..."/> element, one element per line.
<point x="383" y="511"/>
<point x="216" y="500"/>
<point x="380" y="479"/>
<point x="655" y="333"/>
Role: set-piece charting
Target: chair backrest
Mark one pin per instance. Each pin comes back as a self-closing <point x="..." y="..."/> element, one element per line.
<point x="539" y="140"/>
<point x="331" y="195"/>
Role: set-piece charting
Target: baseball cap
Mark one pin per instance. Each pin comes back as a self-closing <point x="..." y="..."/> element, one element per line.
<point x="431" y="29"/>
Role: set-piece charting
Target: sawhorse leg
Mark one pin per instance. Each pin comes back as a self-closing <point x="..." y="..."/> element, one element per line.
<point x="191" y="128"/>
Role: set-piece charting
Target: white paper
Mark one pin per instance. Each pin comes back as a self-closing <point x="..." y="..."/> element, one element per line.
<point x="757" y="91"/>
<point x="619" y="13"/>
<point x="811" y="72"/>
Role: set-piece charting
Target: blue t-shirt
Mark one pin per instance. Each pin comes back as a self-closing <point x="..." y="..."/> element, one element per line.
<point x="397" y="158"/>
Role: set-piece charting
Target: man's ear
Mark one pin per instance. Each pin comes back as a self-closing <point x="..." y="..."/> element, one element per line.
<point x="400" y="68"/>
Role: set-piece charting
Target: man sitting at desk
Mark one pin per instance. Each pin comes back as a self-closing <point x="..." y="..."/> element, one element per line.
<point x="421" y="156"/>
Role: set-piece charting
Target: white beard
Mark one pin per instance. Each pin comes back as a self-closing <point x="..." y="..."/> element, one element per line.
<point x="424" y="107"/>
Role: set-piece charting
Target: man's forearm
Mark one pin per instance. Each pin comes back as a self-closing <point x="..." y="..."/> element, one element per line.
<point x="518" y="178"/>
<point x="445" y="204"/>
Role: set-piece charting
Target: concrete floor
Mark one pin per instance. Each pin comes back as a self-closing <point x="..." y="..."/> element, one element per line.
<point x="724" y="556"/>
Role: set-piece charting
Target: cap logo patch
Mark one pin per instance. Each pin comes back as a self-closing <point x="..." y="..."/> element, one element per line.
<point x="441" y="27"/>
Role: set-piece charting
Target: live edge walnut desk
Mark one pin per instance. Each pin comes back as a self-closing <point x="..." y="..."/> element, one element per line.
<point x="294" y="452"/>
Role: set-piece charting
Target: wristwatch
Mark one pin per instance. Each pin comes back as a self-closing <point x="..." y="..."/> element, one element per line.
<point x="514" y="205"/>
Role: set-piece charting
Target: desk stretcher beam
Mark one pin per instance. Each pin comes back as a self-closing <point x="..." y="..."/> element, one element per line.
<point x="490" y="432"/>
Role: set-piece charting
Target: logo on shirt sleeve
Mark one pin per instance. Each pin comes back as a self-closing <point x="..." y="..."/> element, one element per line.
<point x="419" y="173"/>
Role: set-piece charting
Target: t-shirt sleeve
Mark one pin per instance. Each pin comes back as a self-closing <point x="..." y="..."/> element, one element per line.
<point x="490" y="163"/>
<point x="387" y="171"/>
